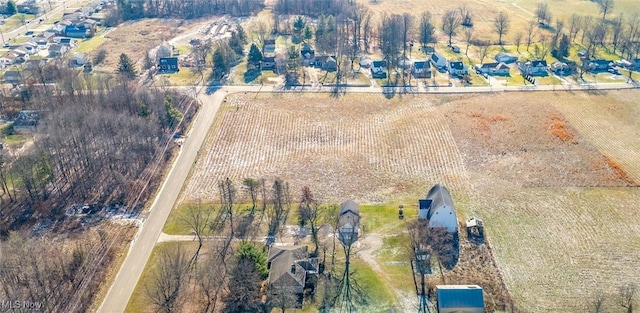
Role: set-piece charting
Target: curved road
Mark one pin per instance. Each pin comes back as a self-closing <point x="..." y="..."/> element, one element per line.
<point x="142" y="245"/>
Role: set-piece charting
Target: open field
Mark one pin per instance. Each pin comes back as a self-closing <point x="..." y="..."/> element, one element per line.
<point x="554" y="175"/>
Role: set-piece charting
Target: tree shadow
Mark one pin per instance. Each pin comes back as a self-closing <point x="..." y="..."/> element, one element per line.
<point x="252" y="75"/>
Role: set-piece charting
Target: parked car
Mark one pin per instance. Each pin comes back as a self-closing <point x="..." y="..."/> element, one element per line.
<point x="28" y="33"/>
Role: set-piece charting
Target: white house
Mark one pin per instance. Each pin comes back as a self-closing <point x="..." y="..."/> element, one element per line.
<point x="378" y="69"/>
<point x="457" y="68"/>
<point x="348" y="222"/>
<point x="460" y="299"/>
<point x="438" y="60"/>
<point x="438" y="209"/>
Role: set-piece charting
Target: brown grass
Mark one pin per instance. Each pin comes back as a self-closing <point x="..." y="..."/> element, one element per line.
<point x="622" y="174"/>
<point x="559" y="129"/>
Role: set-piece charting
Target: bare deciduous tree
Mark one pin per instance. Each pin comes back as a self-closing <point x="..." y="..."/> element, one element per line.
<point x="167" y="280"/>
<point x="517" y="39"/>
<point x="575" y="22"/>
<point x="197" y="219"/>
<point x="605" y="7"/>
<point x="626" y="296"/>
<point x="501" y="25"/>
<point x="450" y="22"/>
<point x="531" y="31"/>
<point x="426" y="30"/>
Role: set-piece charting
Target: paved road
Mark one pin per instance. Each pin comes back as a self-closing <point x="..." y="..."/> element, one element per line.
<point x="147" y="236"/>
<point x="8" y="35"/>
<point x="122" y="288"/>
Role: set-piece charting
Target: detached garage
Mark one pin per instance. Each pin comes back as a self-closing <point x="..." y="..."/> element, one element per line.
<point x="460" y="299"/>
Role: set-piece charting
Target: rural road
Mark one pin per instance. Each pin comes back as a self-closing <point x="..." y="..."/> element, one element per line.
<point x="142" y="245"/>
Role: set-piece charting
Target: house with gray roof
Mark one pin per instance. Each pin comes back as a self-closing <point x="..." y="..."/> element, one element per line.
<point x="460" y="298"/>
<point x="437" y="208"/>
<point x="348" y="222"/>
<point x="290" y="267"/>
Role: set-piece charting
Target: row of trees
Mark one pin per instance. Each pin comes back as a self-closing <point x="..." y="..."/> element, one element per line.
<point x="130" y="10"/>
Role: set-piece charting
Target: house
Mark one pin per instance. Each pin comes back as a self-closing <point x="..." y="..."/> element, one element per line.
<point x="78" y="59"/>
<point x="561" y="68"/>
<point x="437" y="208"/>
<point x="458" y="68"/>
<point x="168" y="65"/>
<point x="421" y="69"/>
<point x="57" y="49"/>
<point x="42" y="42"/>
<point x="66" y="41"/>
<point x="599" y="65"/>
<point x="269" y="46"/>
<point x="460" y="298"/>
<point x="77" y="31"/>
<point x="29" y="47"/>
<point x="5" y="61"/>
<point x="30" y="8"/>
<point x="438" y="60"/>
<point x="26" y="119"/>
<point x="533" y="68"/>
<point x="13" y="77"/>
<point x="405" y="63"/>
<point x="503" y="57"/>
<point x="379" y="69"/>
<point x="268" y="63"/>
<point x="493" y="69"/>
<point x="306" y="52"/>
<point x="290" y="267"/>
<point x="89" y="24"/>
<point x="348" y="222"/>
<point x="365" y="62"/>
<point x="20" y="55"/>
<point x="326" y="63"/>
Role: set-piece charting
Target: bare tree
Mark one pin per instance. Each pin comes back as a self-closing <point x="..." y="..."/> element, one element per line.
<point x="250" y="186"/>
<point x="211" y="278"/>
<point x="626" y="296"/>
<point x="531" y="31"/>
<point x="575" y="22"/>
<point x="309" y="213"/>
<point x="617" y="32"/>
<point x="197" y="219"/>
<point x="168" y="279"/>
<point x="426" y="30"/>
<point x="501" y="25"/>
<point x="605" y="7"/>
<point x="468" y="37"/>
<point x="483" y="50"/>
<point x="597" y="304"/>
<point x="281" y="298"/>
<point x="366" y="31"/>
<point x="517" y="39"/>
<point x="450" y="22"/>
<point x="543" y="14"/>
<point x="466" y="15"/>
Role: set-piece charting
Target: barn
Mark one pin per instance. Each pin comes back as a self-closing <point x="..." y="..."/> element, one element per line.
<point x="438" y="209"/>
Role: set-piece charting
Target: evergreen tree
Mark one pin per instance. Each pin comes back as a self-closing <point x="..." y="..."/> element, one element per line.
<point x="125" y="67"/>
<point x="236" y="44"/>
<point x="255" y="56"/>
<point x="220" y="65"/>
<point x="11" y="8"/>
<point x="241" y="35"/>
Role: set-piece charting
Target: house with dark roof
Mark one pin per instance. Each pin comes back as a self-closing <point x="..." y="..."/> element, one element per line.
<point x="458" y="68"/>
<point x="77" y="31"/>
<point x="493" y="69"/>
<point x="26" y="120"/>
<point x="379" y="69"/>
<point x="533" y="68"/>
<point x="437" y="208"/>
<point x="326" y="63"/>
<point x="348" y="222"/>
<point x="460" y="298"/>
<point x="268" y="63"/>
<point x="269" y="46"/>
<point x="438" y="60"/>
<point x="168" y="65"/>
<point x="57" y="49"/>
<point x="290" y="267"/>
<point x="421" y="69"/>
<point x="599" y="65"/>
<point x="13" y="77"/>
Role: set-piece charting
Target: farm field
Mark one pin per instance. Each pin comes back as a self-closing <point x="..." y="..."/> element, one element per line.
<point x="553" y="175"/>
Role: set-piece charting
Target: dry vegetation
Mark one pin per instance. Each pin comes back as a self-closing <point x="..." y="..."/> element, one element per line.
<point x="558" y="213"/>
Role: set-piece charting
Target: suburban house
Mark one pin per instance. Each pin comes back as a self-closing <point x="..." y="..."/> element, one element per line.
<point x="78" y="59"/>
<point x="460" y="298"/>
<point x="269" y="46"/>
<point x="458" y="68"/>
<point x="503" y="57"/>
<point x="561" y="68"/>
<point x="13" y="77"/>
<point x="29" y="47"/>
<point x="421" y="69"/>
<point x="438" y="60"/>
<point x="405" y="63"/>
<point x="19" y="55"/>
<point x="493" y="69"/>
<point x="379" y="69"/>
<point x="77" y="31"/>
<point x="533" y="68"/>
<point x="326" y="62"/>
<point x="28" y="8"/>
<point x="307" y="55"/>
<point x="26" y="119"/>
<point x="168" y="65"/>
<point x="290" y="268"/>
<point x="438" y="209"/>
<point x="348" y="222"/>
<point x="57" y="49"/>
<point x="66" y="41"/>
<point x="599" y="65"/>
<point x="268" y="63"/>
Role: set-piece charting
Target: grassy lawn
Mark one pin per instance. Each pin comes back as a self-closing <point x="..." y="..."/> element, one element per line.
<point x="358" y="79"/>
<point x="175" y="224"/>
<point x="139" y="301"/>
<point x="15" y="21"/>
<point x="91" y="44"/>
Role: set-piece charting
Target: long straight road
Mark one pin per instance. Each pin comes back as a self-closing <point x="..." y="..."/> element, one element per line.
<point x="141" y="247"/>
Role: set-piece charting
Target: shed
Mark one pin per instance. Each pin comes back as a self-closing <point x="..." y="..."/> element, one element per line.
<point x="460" y="298"/>
<point x="437" y="208"/>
